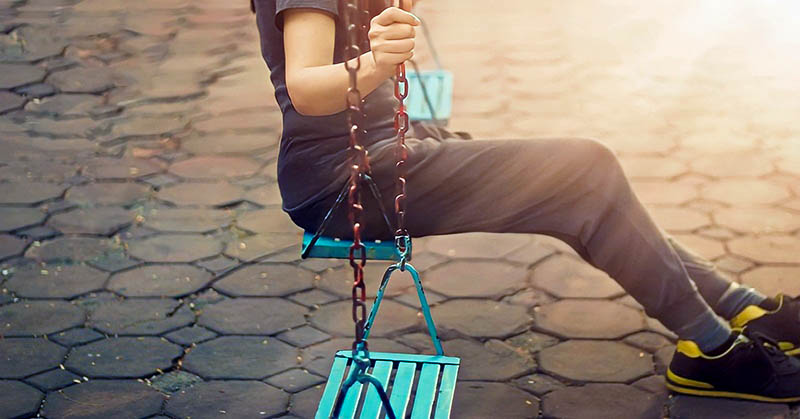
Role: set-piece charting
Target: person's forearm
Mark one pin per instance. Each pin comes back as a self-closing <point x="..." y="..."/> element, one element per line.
<point x="318" y="91"/>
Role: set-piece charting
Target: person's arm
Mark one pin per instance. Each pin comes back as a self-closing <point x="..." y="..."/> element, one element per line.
<point x="317" y="86"/>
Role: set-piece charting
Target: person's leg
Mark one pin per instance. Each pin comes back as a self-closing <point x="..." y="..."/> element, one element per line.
<point x="726" y="298"/>
<point x="572" y="189"/>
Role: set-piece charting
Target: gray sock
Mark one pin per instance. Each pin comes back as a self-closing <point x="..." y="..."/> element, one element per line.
<point x="708" y="331"/>
<point x="735" y="299"/>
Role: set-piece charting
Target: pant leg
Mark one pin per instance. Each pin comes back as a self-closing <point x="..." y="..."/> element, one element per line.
<point x="572" y="189"/>
<point x="726" y="298"/>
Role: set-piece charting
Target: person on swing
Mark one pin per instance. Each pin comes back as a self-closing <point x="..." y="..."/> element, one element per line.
<point x="734" y="342"/>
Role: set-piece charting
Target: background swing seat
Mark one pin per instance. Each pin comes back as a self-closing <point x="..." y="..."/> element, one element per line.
<point x="435" y="86"/>
<point x="434" y="376"/>
<point x="333" y="248"/>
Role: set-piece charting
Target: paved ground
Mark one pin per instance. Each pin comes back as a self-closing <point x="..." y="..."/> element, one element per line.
<point x="147" y="270"/>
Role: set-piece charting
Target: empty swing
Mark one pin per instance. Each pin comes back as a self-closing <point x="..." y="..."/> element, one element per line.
<point x="362" y="383"/>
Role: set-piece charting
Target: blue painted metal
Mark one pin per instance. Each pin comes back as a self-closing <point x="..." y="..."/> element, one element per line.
<point x="438" y="85"/>
<point x="333" y="248"/>
<point x="372" y="402"/>
<point x="401" y="388"/>
<point x="328" y="400"/>
<point x="426" y="391"/>
<point x="446" y="390"/>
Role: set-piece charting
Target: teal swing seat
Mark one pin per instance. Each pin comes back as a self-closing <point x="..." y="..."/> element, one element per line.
<point x="430" y="92"/>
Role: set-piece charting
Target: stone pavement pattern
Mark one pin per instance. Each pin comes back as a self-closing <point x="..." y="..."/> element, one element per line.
<point x="147" y="270"/>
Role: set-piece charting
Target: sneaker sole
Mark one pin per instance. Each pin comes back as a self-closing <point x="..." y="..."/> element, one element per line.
<point x="728" y="394"/>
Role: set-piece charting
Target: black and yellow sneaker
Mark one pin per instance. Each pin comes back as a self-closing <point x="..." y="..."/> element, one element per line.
<point x="753" y="368"/>
<point x="781" y="323"/>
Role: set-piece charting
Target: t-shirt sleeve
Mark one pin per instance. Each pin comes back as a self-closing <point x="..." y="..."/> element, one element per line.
<point x="329" y="6"/>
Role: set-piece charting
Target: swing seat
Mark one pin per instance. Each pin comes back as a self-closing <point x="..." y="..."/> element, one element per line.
<point x="434" y="376"/>
<point x="438" y="85"/>
<point x="334" y="248"/>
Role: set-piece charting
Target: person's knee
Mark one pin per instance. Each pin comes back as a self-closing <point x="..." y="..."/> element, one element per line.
<point x="594" y="154"/>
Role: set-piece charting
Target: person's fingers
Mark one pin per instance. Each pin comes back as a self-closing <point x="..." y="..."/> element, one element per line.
<point x="399" y="46"/>
<point x="397" y="58"/>
<point x="395" y="15"/>
<point x="399" y="31"/>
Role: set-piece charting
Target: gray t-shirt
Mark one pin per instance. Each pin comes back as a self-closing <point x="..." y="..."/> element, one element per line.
<point x="313" y="149"/>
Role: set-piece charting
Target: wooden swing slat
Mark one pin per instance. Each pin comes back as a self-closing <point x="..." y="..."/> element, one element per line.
<point x="372" y="402"/>
<point x="401" y="390"/>
<point x="426" y="391"/>
<point x="328" y="401"/>
<point x="333" y="248"/>
<point x="351" y="399"/>
<point x="446" y="390"/>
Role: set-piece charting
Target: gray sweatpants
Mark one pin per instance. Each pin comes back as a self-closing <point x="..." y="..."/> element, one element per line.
<point x="571" y="189"/>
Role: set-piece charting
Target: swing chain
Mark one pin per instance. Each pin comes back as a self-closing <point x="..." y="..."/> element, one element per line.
<point x="359" y="164"/>
<point x="402" y="238"/>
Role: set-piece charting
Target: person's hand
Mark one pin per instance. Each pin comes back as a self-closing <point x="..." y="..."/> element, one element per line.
<point x="391" y="36"/>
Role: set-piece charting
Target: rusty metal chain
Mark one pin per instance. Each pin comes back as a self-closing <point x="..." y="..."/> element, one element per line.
<point x="359" y="164"/>
<point x="402" y="239"/>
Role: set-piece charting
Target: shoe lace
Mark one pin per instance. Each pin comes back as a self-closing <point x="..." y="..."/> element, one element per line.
<point x="781" y="362"/>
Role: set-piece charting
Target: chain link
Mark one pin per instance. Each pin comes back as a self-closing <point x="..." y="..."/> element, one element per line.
<point x="359" y="163"/>
<point x="402" y="240"/>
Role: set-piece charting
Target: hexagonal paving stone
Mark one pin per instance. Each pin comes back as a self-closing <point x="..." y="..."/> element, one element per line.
<point x="238" y="399"/>
<point x="772" y="280"/>
<point x="11" y="245"/>
<point x="204" y="194"/>
<point x="33" y="43"/>
<point x="160" y="281"/>
<point x="74" y="249"/>
<point x="215" y="167"/>
<point x="143" y="126"/>
<point x="477" y="245"/>
<point x="10" y="101"/>
<point x="29" y="193"/>
<point x="53" y="380"/>
<point x="476" y="279"/>
<point x="748" y="192"/>
<point x="34" y="318"/>
<point x="65" y="105"/>
<point x="82" y="80"/>
<point x="588" y="319"/>
<point x="481" y="318"/>
<point x="108" y="168"/>
<point x="271" y="220"/>
<point x="21" y="357"/>
<point x="679" y="219"/>
<point x="269" y="280"/>
<point x="602" y="401"/>
<point x="688" y="407"/>
<point x="140" y="316"/>
<point x="108" y="193"/>
<point x="538" y="384"/>
<point x="55" y="281"/>
<point x="265" y="195"/>
<point x="652" y="167"/>
<point x="13" y="218"/>
<point x="738" y="164"/>
<point x="340" y="281"/>
<point x="757" y="220"/>
<point x="231" y="144"/>
<point x="336" y="318"/>
<point x="13" y="75"/>
<point x="101" y="399"/>
<point x="252" y="316"/>
<point x="478" y="399"/>
<point x="123" y="357"/>
<point x="583" y="360"/>
<point x="494" y="360"/>
<point x="569" y="277"/>
<point x="240" y="357"/>
<point x="178" y="220"/>
<point x="664" y="193"/>
<point x="18" y="400"/>
<point x="767" y="249"/>
<point x="532" y="342"/>
<point x="707" y="248"/>
<point x="259" y="245"/>
<point x="174" y="248"/>
<point x="102" y="221"/>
